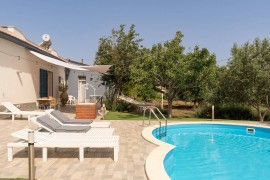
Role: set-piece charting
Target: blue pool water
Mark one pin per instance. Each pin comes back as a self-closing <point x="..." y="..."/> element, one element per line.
<point x="210" y="151"/>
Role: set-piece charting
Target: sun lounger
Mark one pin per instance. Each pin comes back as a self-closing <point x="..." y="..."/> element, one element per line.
<point x="53" y="126"/>
<point x="64" y="120"/>
<point x="43" y="136"/>
<point x="64" y="140"/>
<point x="13" y="111"/>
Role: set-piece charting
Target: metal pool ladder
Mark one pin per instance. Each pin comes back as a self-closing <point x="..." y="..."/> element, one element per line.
<point x="162" y="131"/>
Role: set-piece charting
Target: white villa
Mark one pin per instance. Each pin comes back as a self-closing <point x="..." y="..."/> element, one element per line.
<point x="84" y="86"/>
<point x="29" y="71"/>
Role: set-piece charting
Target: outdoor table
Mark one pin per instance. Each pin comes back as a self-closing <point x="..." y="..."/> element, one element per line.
<point x="44" y="103"/>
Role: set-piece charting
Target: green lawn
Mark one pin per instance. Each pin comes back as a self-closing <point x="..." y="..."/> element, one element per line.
<point x="139" y="116"/>
<point x="123" y="116"/>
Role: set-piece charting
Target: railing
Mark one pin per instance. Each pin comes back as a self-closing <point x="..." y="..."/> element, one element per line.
<point x="162" y="129"/>
<point x="130" y="100"/>
<point x="152" y="109"/>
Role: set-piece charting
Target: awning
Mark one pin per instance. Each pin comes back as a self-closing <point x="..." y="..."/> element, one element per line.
<point x="98" y="68"/>
<point x="57" y="62"/>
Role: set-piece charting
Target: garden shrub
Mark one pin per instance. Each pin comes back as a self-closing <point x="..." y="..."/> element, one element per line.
<point x="108" y="104"/>
<point x="236" y="112"/>
<point x="121" y="106"/>
<point x="125" y="106"/>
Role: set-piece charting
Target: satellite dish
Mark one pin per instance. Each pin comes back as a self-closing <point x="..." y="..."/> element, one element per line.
<point x="46" y="37"/>
<point x="46" y="41"/>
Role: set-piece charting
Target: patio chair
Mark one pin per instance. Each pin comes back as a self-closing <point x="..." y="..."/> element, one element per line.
<point x="64" y="120"/>
<point x="13" y="111"/>
<point x="71" y="99"/>
<point x="54" y="104"/>
<point x="64" y="140"/>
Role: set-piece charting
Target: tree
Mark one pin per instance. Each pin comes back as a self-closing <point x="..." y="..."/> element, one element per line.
<point x="201" y="79"/>
<point x="120" y="50"/>
<point x="163" y="66"/>
<point x="141" y="81"/>
<point x="220" y="94"/>
<point x="247" y="78"/>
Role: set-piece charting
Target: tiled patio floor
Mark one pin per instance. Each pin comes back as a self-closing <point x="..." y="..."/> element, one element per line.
<point x="64" y="164"/>
<point x="98" y="163"/>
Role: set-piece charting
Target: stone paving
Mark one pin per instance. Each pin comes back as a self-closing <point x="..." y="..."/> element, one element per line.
<point x="98" y="164"/>
<point x="64" y="163"/>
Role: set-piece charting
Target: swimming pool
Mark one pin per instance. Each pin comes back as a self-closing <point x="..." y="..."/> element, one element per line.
<point x="217" y="151"/>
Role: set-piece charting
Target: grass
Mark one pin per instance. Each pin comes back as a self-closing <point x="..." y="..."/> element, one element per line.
<point x="182" y="111"/>
<point x="139" y="116"/>
<point x="123" y="116"/>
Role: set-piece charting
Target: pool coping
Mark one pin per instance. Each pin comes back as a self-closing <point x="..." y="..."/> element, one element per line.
<point x="154" y="167"/>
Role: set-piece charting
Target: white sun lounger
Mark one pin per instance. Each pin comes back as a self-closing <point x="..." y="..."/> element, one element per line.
<point x="64" y="140"/>
<point x="52" y="125"/>
<point x="64" y="120"/>
<point x="13" y="111"/>
<point x="43" y="136"/>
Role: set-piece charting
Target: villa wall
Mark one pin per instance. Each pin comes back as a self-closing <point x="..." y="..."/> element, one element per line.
<point x="19" y="77"/>
<point x="92" y="78"/>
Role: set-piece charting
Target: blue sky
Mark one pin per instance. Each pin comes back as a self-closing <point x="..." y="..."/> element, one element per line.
<point x="76" y="26"/>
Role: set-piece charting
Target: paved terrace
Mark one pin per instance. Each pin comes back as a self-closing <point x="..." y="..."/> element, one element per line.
<point x="64" y="163"/>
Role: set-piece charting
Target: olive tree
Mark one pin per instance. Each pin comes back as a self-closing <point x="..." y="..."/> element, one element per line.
<point x="201" y="80"/>
<point x="163" y="67"/>
<point x="247" y="77"/>
<point x="120" y="50"/>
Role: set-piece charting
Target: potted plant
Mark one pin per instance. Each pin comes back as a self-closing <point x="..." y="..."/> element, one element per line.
<point x="64" y="95"/>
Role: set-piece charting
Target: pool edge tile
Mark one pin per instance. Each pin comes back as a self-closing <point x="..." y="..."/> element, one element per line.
<point x="154" y="167"/>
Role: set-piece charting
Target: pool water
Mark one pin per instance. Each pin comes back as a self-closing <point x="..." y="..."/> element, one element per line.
<point x="210" y="151"/>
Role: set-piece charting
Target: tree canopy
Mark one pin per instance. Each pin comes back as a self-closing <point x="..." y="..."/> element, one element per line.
<point x="141" y="72"/>
<point x="163" y="67"/>
<point x="120" y="50"/>
<point x="247" y="78"/>
<point x="201" y="79"/>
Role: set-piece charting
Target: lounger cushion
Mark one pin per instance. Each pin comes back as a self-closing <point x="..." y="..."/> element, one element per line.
<point x="79" y="121"/>
<point x="61" y="117"/>
<point x="48" y="122"/>
<point x="65" y="120"/>
<point x="56" y="127"/>
<point x="81" y="129"/>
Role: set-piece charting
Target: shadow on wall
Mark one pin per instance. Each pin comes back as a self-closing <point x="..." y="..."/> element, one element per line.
<point x="3" y="96"/>
<point x="19" y="73"/>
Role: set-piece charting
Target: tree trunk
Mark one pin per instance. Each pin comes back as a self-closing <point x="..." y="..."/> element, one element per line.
<point x="116" y="92"/>
<point x="114" y="99"/>
<point x="194" y="104"/>
<point x="261" y="117"/>
<point x="170" y="101"/>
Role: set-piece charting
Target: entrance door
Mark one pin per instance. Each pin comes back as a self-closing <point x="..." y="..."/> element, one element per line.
<point x="81" y="89"/>
<point x="45" y="83"/>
